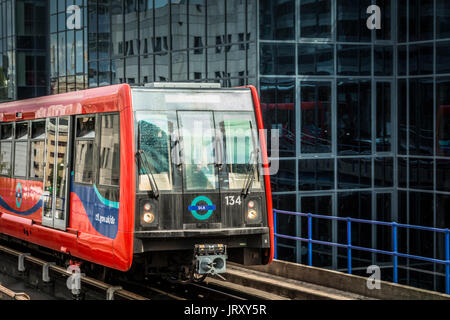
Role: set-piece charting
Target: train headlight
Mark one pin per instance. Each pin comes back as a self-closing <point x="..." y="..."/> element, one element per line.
<point x="149" y="217"/>
<point x="252" y="215"/>
<point x="253" y="212"/>
<point x="148" y="213"/>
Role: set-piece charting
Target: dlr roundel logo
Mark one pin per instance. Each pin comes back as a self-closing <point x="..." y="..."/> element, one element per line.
<point x="19" y="195"/>
<point x="197" y="206"/>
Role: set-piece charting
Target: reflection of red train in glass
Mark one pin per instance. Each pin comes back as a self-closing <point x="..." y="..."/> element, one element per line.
<point x="313" y="122"/>
<point x="313" y="132"/>
<point x="443" y="130"/>
<point x="312" y="127"/>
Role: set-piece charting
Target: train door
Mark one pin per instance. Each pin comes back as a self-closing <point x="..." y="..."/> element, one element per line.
<point x="201" y="165"/>
<point x="56" y="181"/>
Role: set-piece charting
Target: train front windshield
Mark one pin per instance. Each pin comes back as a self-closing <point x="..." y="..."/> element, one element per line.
<point x="194" y="149"/>
<point x="199" y="186"/>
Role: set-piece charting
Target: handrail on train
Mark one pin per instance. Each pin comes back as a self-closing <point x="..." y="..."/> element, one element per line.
<point x="394" y="253"/>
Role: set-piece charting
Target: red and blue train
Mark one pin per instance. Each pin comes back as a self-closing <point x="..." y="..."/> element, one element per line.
<point x="170" y="178"/>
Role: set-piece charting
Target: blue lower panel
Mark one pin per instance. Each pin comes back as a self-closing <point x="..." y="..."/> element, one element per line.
<point x="103" y="215"/>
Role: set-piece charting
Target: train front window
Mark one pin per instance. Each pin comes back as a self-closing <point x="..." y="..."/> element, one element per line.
<point x="239" y="134"/>
<point x="157" y="138"/>
<point x="197" y="130"/>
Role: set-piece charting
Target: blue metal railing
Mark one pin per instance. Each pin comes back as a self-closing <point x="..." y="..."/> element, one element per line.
<point x="394" y="253"/>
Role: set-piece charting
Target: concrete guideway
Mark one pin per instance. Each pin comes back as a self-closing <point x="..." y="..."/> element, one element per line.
<point x="258" y="294"/>
<point x="284" y="287"/>
<point x="294" y="280"/>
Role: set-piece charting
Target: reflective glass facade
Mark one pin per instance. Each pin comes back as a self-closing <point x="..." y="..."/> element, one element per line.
<point x="23" y="49"/>
<point x="154" y="40"/>
<point x="31" y="48"/>
<point x="7" y="50"/>
<point x="68" y="46"/>
<point x="364" y="120"/>
<point x="363" y="114"/>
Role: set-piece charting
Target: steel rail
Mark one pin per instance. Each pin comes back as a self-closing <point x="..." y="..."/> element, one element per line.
<point x="86" y="280"/>
<point x="13" y="295"/>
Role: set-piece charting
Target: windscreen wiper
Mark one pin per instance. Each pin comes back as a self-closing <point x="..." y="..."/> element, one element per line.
<point x="219" y="154"/>
<point x="176" y="153"/>
<point x="250" y="174"/>
<point x="146" y="166"/>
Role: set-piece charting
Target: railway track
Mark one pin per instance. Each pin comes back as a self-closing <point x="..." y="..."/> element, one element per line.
<point x="24" y="277"/>
<point x="46" y="280"/>
<point x="242" y="284"/>
<point x="8" y="294"/>
<point x="52" y="279"/>
<point x="210" y="290"/>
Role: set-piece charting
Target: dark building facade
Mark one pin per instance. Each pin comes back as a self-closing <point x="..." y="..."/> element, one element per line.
<point x="23" y="49"/>
<point x="363" y="114"/>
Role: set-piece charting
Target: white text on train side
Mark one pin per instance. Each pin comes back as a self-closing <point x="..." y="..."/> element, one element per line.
<point x="105" y="220"/>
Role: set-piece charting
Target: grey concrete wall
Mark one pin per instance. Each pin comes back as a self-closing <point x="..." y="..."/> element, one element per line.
<point x="346" y="282"/>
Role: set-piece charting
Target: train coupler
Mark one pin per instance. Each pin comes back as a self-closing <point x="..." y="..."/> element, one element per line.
<point x="210" y="259"/>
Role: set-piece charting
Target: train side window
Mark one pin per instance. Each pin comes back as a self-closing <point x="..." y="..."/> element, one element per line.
<point x="84" y="168"/>
<point x="37" y="150"/>
<point x="84" y="150"/>
<point x="37" y="159"/>
<point x="20" y="158"/>
<point x="21" y="149"/>
<point x="86" y="127"/>
<point x="38" y="130"/>
<point x="109" y="171"/>
<point x="7" y="131"/>
<point x="5" y="158"/>
<point x="21" y="131"/>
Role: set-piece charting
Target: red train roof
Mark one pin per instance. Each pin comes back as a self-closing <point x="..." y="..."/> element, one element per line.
<point x="103" y="99"/>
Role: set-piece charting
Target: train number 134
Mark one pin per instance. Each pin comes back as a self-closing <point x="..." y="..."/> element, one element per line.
<point x="232" y="200"/>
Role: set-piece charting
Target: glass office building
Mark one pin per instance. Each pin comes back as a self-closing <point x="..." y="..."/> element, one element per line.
<point x="23" y="49"/>
<point x="363" y="114"/>
<point x="365" y="126"/>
